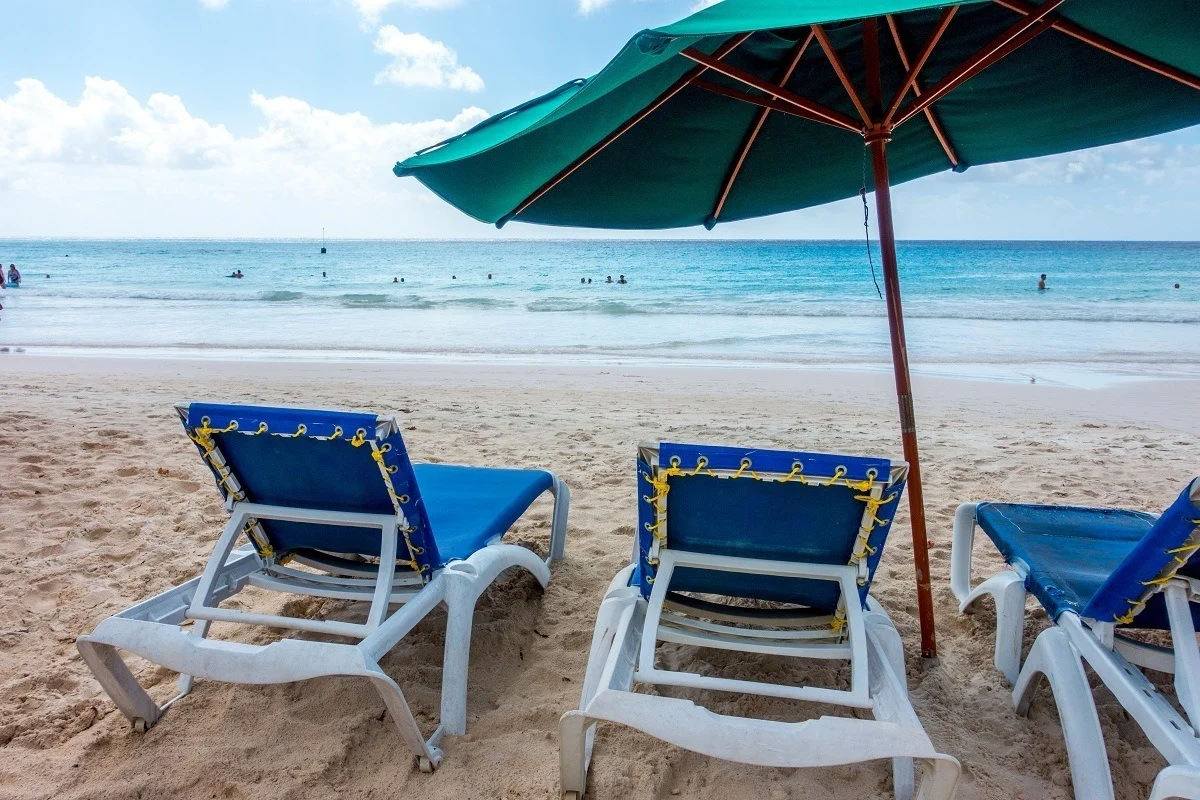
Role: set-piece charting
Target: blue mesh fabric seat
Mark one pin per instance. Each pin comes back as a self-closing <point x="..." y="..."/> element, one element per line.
<point x="1095" y="562"/>
<point x="469" y="506"/>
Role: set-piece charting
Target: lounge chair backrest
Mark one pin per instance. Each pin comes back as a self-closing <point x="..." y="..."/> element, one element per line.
<point x="764" y="504"/>
<point x="324" y="460"/>
<point x="1170" y="547"/>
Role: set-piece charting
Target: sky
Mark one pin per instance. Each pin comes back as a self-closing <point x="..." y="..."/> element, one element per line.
<point x="277" y="118"/>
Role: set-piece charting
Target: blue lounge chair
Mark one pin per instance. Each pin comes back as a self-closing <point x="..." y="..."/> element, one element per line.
<point x="333" y="492"/>
<point x="1098" y="573"/>
<point x="799" y="532"/>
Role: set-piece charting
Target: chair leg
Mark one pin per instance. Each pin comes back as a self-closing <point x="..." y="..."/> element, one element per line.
<point x="460" y="617"/>
<point x="558" y="528"/>
<point x="1054" y="657"/>
<point x="576" y="735"/>
<point x="118" y="682"/>
<point x="1177" y="781"/>
<point x="1007" y="589"/>
<point x="960" y="551"/>
<point x="428" y="756"/>
<point x="183" y="687"/>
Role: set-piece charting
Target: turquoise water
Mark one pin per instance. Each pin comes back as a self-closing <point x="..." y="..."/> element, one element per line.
<point x="1110" y="307"/>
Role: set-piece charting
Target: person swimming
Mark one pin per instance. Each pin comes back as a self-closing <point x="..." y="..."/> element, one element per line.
<point x="237" y="273"/>
<point x="608" y="279"/>
<point x="323" y="275"/>
<point x="1042" y="283"/>
<point x="395" y="280"/>
<point x="489" y="276"/>
<point x="583" y="280"/>
<point x="622" y="280"/>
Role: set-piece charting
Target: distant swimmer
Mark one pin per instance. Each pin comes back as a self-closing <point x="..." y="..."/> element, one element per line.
<point x="609" y="279"/>
<point x="453" y="277"/>
<point x="1042" y="283"/>
<point x="323" y="275"/>
<point x="622" y="280"/>
<point x="235" y="274"/>
<point x="583" y="280"/>
<point x="489" y="276"/>
<point x="1177" y="286"/>
<point x="395" y="280"/>
<point x="589" y="281"/>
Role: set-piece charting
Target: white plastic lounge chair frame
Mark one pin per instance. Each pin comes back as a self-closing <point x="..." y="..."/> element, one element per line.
<point x="1058" y="655"/>
<point x="628" y="628"/>
<point x="153" y="628"/>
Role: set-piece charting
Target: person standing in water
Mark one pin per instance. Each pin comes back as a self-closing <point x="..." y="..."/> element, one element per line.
<point x="608" y="279"/>
<point x="622" y="280"/>
<point x="1042" y="283"/>
<point x="14" y="276"/>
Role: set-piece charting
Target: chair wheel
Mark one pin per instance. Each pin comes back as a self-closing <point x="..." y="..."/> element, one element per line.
<point x="140" y="725"/>
<point x="424" y="764"/>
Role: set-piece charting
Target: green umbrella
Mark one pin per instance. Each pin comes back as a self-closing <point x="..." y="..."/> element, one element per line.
<point x="754" y="107"/>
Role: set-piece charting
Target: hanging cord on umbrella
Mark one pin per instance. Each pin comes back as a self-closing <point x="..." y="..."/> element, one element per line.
<point x="867" y="222"/>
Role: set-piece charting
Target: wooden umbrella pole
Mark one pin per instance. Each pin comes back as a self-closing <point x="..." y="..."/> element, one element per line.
<point x="877" y="137"/>
<point x="908" y="423"/>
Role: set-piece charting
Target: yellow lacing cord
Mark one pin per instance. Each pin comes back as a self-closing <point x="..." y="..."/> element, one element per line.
<point x="862" y="548"/>
<point x="360" y="438"/>
<point x="337" y="433"/>
<point x="397" y="500"/>
<point x="202" y="436"/>
<point x="1179" y="558"/>
<point x="797" y="468"/>
<point x="262" y="545"/>
<point x="837" y="473"/>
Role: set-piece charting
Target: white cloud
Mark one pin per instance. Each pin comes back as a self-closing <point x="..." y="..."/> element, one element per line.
<point x="214" y="5"/>
<point x="111" y="165"/>
<point x="1147" y="162"/>
<point x="372" y="10"/>
<point x="420" y="61"/>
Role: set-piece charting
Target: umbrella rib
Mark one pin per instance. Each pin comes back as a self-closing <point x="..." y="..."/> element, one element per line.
<point x="910" y="79"/>
<point x="823" y="114"/>
<point x="930" y="114"/>
<point x="760" y="101"/>
<point x="1017" y="35"/>
<point x="687" y="79"/>
<point x="759" y="121"/>
<point x="843" y="76"/>
<point x="1109" y="46"/>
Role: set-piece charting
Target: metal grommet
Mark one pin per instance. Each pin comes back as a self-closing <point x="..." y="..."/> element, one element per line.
<point x="674" y="461"/>
<point x="385" y="448"/>
<point x="746" y="463"/>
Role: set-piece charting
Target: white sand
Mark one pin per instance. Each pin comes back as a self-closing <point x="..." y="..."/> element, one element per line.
<point x="105" y="502"/>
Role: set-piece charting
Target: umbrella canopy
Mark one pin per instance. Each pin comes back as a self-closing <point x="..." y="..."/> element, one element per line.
<point x="1062" y="91"/>
<point x="753" y="107"/>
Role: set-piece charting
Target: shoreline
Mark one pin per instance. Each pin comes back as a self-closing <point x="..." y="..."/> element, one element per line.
<point x="1083" y="375"/>
<point x="1158" y="400"/>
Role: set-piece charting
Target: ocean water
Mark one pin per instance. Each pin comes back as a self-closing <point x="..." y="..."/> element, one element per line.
<point x="971" y="307"/>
